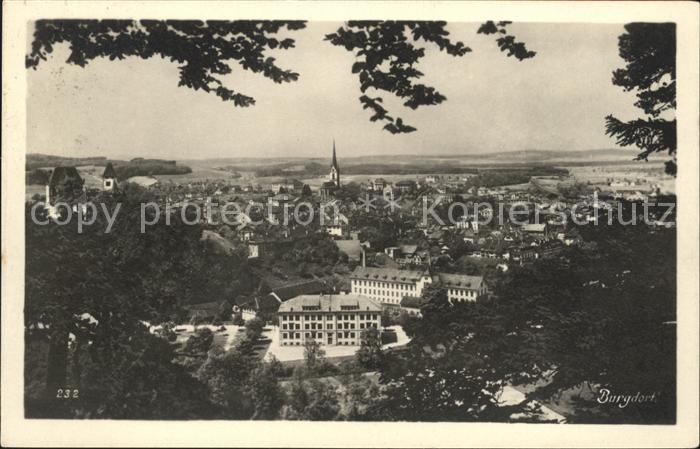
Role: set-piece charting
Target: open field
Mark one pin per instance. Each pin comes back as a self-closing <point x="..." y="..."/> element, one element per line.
<point x="596" y="167"/>
<point x="651" y="172"/>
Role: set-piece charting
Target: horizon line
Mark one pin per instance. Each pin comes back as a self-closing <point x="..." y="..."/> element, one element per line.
<point x="262" y="156"/>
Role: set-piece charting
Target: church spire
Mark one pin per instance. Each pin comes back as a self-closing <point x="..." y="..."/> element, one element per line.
<point x="335" y="169"/>
<point x="334" y="163"/>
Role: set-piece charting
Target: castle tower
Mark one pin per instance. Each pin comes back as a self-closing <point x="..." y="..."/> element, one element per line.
<point x="334" y="176"/>
<point x="109" y="177"/>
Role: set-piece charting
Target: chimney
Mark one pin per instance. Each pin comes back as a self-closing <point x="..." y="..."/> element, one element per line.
<point x="364" y="262"/>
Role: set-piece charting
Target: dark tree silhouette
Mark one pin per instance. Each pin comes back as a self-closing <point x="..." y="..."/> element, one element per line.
<point x="506" y="42"/>
<point x="370" y="353"/>
<point x="386" y="58"/>
<point x="649" y="49"/>
<point x="586" y="320"/>
<point x="86" y="295"/>
<point x="203" y="51"/>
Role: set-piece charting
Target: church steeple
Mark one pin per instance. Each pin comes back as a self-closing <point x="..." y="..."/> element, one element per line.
<point x="334" y="163"/>
<point x="109" y="177"/>
<point x="335" y="169"/>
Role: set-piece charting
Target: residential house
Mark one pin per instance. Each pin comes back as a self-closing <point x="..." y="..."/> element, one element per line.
<point x="537" y="231"/>
<point x="406" y="186"/>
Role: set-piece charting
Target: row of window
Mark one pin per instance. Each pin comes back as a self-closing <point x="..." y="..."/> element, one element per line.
<point x="329" y="326"/>
<point x="316" y="317"/>
<point x="297" y="335"/>
<point x="462" y="293"/>
<point x="339" y="343"/>
<point x="393" y="285"/>
<point x="384" y="293"/>
<point x="363" y="316"/>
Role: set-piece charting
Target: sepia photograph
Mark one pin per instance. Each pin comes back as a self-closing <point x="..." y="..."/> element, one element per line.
<point x="396" y="219"/>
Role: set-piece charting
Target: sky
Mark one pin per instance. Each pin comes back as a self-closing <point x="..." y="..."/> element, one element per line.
<point x="134" y="108"/>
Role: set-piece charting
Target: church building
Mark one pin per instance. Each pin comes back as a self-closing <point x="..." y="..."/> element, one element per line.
<point x="109" y="178"/>
<point x="335" y="169"/>
<point x="329" y="187"/>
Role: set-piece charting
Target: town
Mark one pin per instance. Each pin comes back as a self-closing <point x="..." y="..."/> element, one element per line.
<point x="320" y="284"/>
<point x="391" y="247"/>
<point x="507" y="257"/>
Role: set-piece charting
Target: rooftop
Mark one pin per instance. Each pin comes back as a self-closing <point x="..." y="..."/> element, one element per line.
<point x="461" y="281"/>
<point x="534" y="227"/>
<point x="386" y="274"/>
<point x="143" y="181"/>
<point x="60" y="173"/>
<point x="283" y="197"/>
<point x="109" y="171"/>
<point x="330" y="303"/>
<point x="408" y="249"/>
<point x="289" y="291"/>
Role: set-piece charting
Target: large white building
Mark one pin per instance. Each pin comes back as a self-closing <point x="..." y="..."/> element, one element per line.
<point x="328" y="319"/>
<point x="462" y="287"/>
<point x="389" y="285"/>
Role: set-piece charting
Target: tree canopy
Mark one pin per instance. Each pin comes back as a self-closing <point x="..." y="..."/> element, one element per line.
<point x="387" y="52"/>
<point x="202" y="49"/>
<point x="587" y="319"/>
<point x="649" y="51"/>
<point x="88" y="295"/>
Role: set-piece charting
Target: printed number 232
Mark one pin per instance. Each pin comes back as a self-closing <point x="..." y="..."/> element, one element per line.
<point x="67" y="393"/>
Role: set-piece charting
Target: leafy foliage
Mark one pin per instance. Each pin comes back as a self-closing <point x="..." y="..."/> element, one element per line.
<point x="316" y="248"/>
<point x="386" y="59"/>
<point x="649" y="50"/>
<point x="254" y="328"/>
<point x="37" y="176"/>
<point x="38" y="160"/>
<point x="311" y="400"/>
<point x="201" y="49"/>
<point x="386" y="54"/>
<point x="314" y="355"/>
<point x="506" y="42"/>
<point x="601" y="317"/>
<point x="370" y="353"/>
<point x="88" y="293"/>
<point x="226" y="374"/>
<point x="240" y="385"/>
<point x="200" y="342"/>
<point x="266" y="393"/>
<point x="149" y="167"/>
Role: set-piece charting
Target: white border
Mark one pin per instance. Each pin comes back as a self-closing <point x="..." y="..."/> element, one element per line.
<point x="16" y="431"/>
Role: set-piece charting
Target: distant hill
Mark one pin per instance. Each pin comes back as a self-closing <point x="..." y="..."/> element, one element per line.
<point x="609" y="154"/>
<point x="124" y="169"/>
<point x="519" y="157"/>
<point x="38" y="160"/>
<point x="417" y="164"/>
